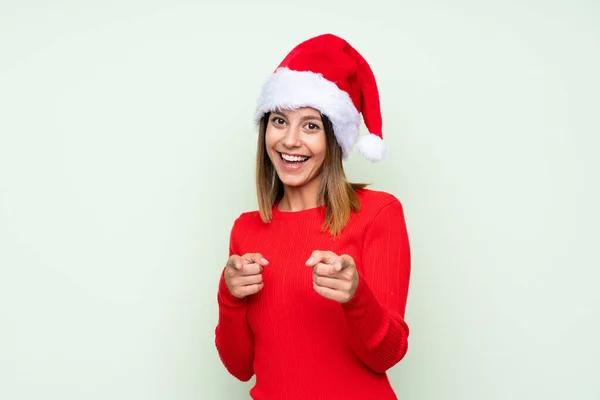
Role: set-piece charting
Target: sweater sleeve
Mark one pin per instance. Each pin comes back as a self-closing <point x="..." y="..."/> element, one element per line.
<point x="233" y="337"/>
<point x="378" y="334"/>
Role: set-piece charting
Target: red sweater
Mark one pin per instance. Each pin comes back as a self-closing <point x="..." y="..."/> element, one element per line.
<point x="299" y="344"/>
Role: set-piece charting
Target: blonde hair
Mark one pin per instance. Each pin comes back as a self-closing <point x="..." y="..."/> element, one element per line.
<point x="336" y="193"/>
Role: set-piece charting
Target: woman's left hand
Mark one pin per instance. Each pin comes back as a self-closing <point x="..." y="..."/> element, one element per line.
<point x="334" y="277"/>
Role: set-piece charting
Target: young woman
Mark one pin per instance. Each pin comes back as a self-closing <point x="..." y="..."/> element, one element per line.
<point x="312" y="297"/>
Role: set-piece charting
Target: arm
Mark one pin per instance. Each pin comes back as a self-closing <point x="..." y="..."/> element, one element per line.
<point x="233" y="337"/>
<point x="375" y="314"/>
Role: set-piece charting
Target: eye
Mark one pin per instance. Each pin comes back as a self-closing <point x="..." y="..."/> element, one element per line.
<point x="278" y="120"/>
<point x="312" y="126"/>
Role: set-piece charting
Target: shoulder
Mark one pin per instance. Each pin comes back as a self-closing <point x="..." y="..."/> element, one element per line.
<point x="373" y="201"/>
<point x="247" y="219"/>
<point x="378" y="208"/>
<point x="248" y="222"/>
<point x="245" y="223"/>
<point x="380" y="212"/>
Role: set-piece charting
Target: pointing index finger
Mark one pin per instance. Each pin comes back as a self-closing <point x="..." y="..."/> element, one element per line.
<point x="326" y="257"/>
<point x="256" y="258"/>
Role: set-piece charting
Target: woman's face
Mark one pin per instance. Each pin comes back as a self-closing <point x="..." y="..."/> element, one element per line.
<point x="296" y="144"/>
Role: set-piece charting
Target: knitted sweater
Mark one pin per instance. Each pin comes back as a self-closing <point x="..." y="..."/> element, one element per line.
<point x="301" y="345"/>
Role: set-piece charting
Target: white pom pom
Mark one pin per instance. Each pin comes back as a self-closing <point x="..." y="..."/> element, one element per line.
<point x="371" y="147"/>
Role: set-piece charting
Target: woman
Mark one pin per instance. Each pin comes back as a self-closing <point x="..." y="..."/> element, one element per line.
<point x="313" y="295"/>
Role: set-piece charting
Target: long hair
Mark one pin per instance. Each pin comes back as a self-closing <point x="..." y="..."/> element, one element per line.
<point x="336" y="193"/>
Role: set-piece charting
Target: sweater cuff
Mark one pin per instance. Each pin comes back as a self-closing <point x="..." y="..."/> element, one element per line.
<point x="364" y="306"/>
<point x="225" y="298"/>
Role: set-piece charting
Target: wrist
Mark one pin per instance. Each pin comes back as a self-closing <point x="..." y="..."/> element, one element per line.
<point x="225" y="296"/>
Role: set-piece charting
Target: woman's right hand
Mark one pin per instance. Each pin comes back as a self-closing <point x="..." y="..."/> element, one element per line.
<point x="243" y="274"/>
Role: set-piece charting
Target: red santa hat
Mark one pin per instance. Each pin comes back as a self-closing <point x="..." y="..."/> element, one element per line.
<point x="328" y="74"/>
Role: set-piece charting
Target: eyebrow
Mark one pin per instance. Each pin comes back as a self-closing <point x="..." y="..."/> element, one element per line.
<point x="304" y="118"/>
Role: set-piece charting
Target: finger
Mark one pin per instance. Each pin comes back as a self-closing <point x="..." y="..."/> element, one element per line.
<point x="323" y="269"/>
<point x="255" y="258"/>
<point x="314" y="258"/>
<point x="346" y="261"/>
<point x="331" y="294"/>
<point x="251" y="269"/>
<point x="342" y="262"/>
<point x="318" y="256"/>
<point x="337" y="265"/>
<point x="250" y="289"/>
<point x="235" y="262"/>
<point x="247" y="280"/>
<point x="332" y="283"/>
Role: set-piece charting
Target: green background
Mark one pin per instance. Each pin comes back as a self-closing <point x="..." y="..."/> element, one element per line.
<point x="127" y="150"/>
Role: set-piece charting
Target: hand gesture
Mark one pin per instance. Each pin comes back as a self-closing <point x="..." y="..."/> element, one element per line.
<point x="334" y="277"/>
<point x="243" y="274"/>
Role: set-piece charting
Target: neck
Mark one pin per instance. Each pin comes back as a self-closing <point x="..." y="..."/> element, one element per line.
<point x="300" y="198"/>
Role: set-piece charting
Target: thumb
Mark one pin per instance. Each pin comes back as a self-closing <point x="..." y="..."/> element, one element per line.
<point x="338" y="264"/>
<point x="235" y="262"/>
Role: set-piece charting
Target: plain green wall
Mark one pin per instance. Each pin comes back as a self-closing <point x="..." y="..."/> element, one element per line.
<point x="127" y="150"/>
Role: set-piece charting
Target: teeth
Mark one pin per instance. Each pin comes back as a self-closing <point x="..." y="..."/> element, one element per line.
<point x="293" y="158"/>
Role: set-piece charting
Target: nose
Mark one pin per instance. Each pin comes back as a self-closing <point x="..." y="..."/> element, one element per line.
<point x="291" y="138"/>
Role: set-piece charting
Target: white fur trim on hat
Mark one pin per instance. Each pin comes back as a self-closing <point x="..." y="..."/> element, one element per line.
<point x="372" y="147"/>
<point x="288" y="90"/>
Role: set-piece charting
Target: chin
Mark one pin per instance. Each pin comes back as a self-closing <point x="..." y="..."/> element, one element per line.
<point x="292" y="182"/>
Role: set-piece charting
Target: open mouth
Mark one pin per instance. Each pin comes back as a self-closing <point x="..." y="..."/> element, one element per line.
<point x="293" y="159"/>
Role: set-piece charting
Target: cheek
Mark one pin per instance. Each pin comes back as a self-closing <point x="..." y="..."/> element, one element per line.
<point x="272" y="138"/>
<point x="269" y="138"/>
<point x="318" y="148"/>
